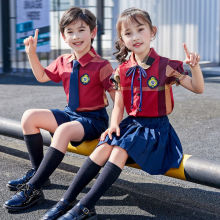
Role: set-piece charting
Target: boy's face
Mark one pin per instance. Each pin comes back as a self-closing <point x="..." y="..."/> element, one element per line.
<point x="78" y="36"/>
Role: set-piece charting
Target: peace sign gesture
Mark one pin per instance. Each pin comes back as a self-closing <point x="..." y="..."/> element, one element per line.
<point x="31" y="43"/>
<point x="191" y="58"/>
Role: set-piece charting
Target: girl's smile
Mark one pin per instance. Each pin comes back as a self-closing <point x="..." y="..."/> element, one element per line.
<point x="137" y="37"/>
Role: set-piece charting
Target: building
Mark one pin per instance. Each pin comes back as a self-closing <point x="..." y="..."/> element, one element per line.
<point x="196" y="22"/>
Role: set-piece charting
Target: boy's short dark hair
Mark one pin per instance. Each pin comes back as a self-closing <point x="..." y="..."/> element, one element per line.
<point x="76" y="13"/>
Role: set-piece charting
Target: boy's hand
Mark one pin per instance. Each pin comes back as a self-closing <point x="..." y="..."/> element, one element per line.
<point x="31" y="43"/>
<point x="191" y="58"/>
<point x="109" y="132"/>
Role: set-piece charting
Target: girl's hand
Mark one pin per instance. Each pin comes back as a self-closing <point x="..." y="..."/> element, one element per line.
<point x="192" y="58"/>
<point x="109" y="131"/>
<point x="31" y="43"/>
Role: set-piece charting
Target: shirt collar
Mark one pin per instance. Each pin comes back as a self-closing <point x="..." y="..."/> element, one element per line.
<point x="147" y="61"/>
<point x="84" y="60"/>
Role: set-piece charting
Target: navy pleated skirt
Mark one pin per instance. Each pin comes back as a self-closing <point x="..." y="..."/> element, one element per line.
<point x="151" y="142"/>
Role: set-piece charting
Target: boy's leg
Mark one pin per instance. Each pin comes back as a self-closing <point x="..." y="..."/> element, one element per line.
<point x="63" y="134"/>
<point x="31" y="122"/>
<point x="86" y="173"/>
<point x="110" y="173"/>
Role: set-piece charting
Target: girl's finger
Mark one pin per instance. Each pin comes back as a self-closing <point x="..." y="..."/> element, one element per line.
<point x="194" y="59"/>
<point x="110" y="135"/>
<point x="186" y="50"/>
<point x="118" y="132"/>
<point x="197" y="59"/>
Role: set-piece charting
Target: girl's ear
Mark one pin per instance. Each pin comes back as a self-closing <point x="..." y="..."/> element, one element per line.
<point x="93" y="33"/>
<point x="154" y="32"/>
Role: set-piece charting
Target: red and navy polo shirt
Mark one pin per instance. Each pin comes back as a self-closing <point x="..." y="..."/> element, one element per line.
<point x="156" y="97"/>
<point x="94" y="74"/>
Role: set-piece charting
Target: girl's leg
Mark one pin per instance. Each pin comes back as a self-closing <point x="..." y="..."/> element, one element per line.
<point x="110" y="173"/>
<point x="88" y="171"/>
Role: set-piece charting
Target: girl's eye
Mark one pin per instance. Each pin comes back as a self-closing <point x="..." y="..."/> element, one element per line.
<point x="81" y="30"/>
<point x="69" y="32"/>
<point x="127" y="34"/>
<point x="140" y="29"/>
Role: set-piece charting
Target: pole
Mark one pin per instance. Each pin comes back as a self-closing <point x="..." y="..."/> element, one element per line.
<point x="100" y="25"/>
<point x="6" y="45"/>
<point x="192" y="168"/>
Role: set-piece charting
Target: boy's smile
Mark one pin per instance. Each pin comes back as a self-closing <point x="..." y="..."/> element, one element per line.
<point x="78" y="36"/>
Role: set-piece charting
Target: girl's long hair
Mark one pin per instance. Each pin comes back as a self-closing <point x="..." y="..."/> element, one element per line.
<point x="129" y="15"/>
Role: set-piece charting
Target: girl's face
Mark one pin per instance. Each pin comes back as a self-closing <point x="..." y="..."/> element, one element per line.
<point x="78" y="36"/>
<point x="137" y="37"/>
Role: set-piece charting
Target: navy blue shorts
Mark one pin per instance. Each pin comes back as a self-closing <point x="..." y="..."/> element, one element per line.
<point x="93" y="122"/>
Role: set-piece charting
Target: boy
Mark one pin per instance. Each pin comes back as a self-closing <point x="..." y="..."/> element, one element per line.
<point x="85" y="77"/>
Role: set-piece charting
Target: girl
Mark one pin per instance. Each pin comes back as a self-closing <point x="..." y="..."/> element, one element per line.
<point x="145" y="136"/>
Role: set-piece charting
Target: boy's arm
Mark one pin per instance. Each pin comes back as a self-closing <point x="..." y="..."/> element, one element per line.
<point x="30" y="48"/>
<point x="196" y="82"/>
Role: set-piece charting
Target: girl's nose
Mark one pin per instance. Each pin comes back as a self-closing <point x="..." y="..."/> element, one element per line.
<point x="135" y="37"/>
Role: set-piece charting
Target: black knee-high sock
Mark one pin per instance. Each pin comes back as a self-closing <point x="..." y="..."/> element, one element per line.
<point x="51" y="160"/>
<point x="34" y="143"/>
<point x="108" y="176"/>
<point x="85" y="174"/>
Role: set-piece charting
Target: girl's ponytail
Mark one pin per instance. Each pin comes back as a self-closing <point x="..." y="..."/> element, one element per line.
<point x="122" y="51"/>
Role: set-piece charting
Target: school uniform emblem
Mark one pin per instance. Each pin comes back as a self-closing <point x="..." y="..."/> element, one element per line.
<point x="85" y="79"/>
<point x="152" y="82"/>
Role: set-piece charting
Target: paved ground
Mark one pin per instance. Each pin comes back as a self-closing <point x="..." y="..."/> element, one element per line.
<point x="136" y="195"/>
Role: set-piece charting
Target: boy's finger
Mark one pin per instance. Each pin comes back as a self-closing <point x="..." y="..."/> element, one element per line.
<point x="186" y="50"/>
<point x="36" y="34"/>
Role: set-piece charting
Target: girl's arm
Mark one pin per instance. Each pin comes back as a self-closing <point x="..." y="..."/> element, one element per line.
<point x="116" y="117"/>
<point x="30" y="48"/>
<point x="196" y="82"/>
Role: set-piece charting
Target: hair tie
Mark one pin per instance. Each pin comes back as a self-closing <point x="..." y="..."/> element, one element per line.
<point x="84" y="11"/>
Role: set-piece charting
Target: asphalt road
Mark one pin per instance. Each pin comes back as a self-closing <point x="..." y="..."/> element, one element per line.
<point x="136" y="195"/>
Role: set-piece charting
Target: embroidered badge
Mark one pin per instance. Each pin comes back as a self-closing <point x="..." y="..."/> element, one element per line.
<point x="152" y="82"/>
<point x="85" y="79"/>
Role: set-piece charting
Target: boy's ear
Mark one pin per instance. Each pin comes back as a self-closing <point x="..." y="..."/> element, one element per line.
<point x="94" y="32"/>
<point x="63" y="36"/>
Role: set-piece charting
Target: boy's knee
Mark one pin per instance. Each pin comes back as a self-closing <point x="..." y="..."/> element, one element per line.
<point x="27" y="117"/>
<point x="63" y="131"/>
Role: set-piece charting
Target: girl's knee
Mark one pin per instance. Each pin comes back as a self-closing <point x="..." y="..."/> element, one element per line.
<point x="119" y="156"/>
<point x="101" y="154"/>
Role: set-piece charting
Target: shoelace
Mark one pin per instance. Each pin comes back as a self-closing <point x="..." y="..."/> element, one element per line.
<point x="132" y="71"/>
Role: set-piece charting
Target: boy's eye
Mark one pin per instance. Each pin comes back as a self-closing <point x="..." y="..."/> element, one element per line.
<point x="140" y="29"/>
<point x="127" y="33"/>
<point x="81" y="30"/>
